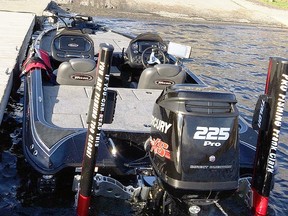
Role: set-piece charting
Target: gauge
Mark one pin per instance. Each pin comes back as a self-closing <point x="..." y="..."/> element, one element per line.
<point x="134" y="46"/>
<point x="162" y="47"/>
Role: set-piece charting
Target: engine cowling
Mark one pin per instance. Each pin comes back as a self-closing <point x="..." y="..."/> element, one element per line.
<point x="194" y="144"/>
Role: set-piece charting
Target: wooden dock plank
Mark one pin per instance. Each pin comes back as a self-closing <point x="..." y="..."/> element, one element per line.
<point x="15" y="33"/>
<point x="16" y="26"/>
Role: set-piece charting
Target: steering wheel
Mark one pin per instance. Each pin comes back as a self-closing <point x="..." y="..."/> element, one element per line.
<point x="152" y="56"/>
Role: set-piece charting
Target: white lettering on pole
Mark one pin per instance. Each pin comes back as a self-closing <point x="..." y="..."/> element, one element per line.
<point x="277" y="122"/>
<point x="96" y="109"/>
<point x="261" y="113"/>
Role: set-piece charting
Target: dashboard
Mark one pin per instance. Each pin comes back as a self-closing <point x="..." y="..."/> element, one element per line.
<point x="71" y="44"/>
<point x="139" y="44"/>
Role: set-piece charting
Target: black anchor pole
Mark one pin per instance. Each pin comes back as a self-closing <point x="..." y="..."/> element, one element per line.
<point x="267" y="119"/>
<point x="96" y="114"/>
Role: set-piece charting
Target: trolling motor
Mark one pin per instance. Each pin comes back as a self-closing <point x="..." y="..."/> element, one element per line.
<point x="194" y="144"/>
<point x="78" y="21"/>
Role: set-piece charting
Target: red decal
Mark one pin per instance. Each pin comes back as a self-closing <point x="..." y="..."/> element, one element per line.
<point x="160" y="148"/>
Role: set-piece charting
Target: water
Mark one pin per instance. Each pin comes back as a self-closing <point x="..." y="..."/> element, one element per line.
<point x="230" y="57"/>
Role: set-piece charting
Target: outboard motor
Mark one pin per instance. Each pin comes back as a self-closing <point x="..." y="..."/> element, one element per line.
<point x="194" y="144"/>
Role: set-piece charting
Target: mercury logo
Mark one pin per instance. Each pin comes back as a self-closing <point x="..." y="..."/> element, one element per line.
<point x="160" y="124"/>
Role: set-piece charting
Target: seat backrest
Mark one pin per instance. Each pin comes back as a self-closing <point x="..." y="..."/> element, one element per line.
<point x="79" y="72"/>
<point x="161" y="76"/>
<point x="70" y="44"/>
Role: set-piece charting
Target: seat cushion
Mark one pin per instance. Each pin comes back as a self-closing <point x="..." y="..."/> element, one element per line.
<point x="161" y="76"/>
<point x="79" y="72"/>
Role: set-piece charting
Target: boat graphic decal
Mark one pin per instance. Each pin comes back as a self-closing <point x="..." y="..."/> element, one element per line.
<point x="160" y="148"/>
<point x="212" y="133"/>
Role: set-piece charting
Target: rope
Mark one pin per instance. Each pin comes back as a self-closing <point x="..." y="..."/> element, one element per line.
<point x="220" y="208"/>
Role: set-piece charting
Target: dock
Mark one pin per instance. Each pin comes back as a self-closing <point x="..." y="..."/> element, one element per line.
<point x="17" y="22"/>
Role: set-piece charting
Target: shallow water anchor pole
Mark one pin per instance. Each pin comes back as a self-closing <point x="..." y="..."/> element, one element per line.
<point x="267" y="119"/>
<point x="97" y="106"/>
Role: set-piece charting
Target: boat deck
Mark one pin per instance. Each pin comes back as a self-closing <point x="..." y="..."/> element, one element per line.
<point x="116" y="40"/>
<point x="67" y="107"/>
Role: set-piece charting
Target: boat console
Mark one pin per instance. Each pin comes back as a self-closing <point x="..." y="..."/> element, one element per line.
<point x="70" y="44"/>
<point x="139" y="50"/>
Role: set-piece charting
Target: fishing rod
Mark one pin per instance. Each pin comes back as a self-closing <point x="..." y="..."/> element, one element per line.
<point x="96" y="114"/>
<point x="267" y="120"/>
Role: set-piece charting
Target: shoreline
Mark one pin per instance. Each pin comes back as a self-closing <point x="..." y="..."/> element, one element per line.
<point x="236" y="12"/>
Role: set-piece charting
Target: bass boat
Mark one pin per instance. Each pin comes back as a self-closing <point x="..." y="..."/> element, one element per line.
<point x="130" y="121"/>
